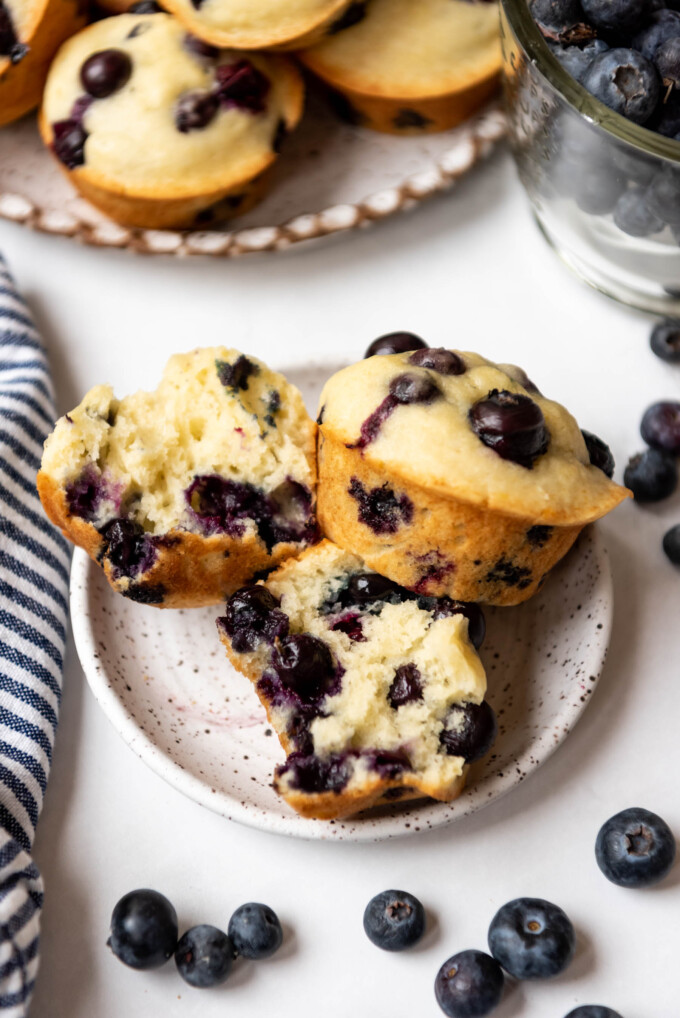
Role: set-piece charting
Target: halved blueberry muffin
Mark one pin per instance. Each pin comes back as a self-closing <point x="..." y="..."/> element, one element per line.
<point x="412" y="66"/>
<point x="453" y="475"/>
<point x="376" y="694"/>
<point x="182" y="494"/>
<point x="159" y="129"/>
<point x="264" y="24"/>
<point x="31" y="32"/>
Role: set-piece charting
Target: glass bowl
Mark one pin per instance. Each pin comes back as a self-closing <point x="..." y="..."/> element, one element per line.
<point x="587" y="169"/>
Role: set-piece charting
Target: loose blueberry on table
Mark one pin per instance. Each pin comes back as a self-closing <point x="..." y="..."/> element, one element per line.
<point x="469" y="985"/>
<point x="593" y="1011"/>
<point x="255" y="931"/>
<point x="635" y="848"/>
<point x="651" y="475"/>
<point x="660" y="426"/>
<point x="143" y="929"/>
<point x="671" y="544"/>
<point x="532" y="938"/>
<point x="204" y="956"/>
<point x="394" y="920"/>
<point x="665" y="337"/>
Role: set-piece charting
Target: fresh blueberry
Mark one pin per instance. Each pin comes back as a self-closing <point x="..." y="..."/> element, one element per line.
<point x="445" y="362"/>
<point x="195" y="110"/>
<point x="255" y="931"/>
<point x="561" y="20"/>
<point x="667" y="60"/>
<point x="662" y="25"/>
<point x="651" y="475"/>
<point x="471" y="731"/>
<point x="616" y="16"/>
<point x="635" y="848"/>
<point x="532" y="938"/>
<point x="665" y="340"/>
<point x="625" y="81"/>
<point x="68" y="142"/>
<point x="394" y="920"/>
<point x="253" y="616"/>
<point x="469" y="985"/>
<point x="635" y="168"/>
<point x="671" y="544"/>
<point x="409" y="388"/>
<point x="304" y="664"/>
<point x="666" y="119"/>
<point x="663" y="196"/>
<point x="143" y="929"/>
<point x="242" y="85"/>
<point x="406" y="687"/>
<point x="105" y="72"/>
<point x="512" y="425"/>
<point x="204" y="956"/>
<point x="599" y="452"/>
<point x="577" y="59"/>
<point x="395" y="342"/>
<point x="598" y="191"/>
<point x="633" y="215"/>
<point x="660" y="426"/>
<point x="593" y="1011"/>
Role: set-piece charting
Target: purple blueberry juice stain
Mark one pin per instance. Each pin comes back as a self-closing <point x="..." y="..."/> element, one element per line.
<point x="350" y="624"/>
<point x="435" y="569"/>
<point x="381" y="509"/>
<point x="510" y="574"/>
<point x="370" y="428"/>
<point x="87" y="493"/>
<point x="405" y="390"/>
<point x="314" y="774"/>
<point x="539" y="535"/>
<point x="389" y="764"/>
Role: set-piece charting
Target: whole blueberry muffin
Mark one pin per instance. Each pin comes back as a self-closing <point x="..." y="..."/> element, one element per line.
<point x="376" y="694"/>
<point x="453" y="475"/>
<point x="31" y="32"/>
<point x="409" y="66"/>
<point x="264" y="24"/>
<point x="182" y="494"/>
<point x="159" y="129"/>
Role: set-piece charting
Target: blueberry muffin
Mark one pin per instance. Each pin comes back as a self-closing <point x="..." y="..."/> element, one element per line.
<point x="376" y="694"/>
<point x="31" y="32"/>
<point x="182" y="494"/>
<point x="264" y="24"/>
<point x="453" y="475"/>
<point x="159" y="129"/>
<point x="410" y="66"/>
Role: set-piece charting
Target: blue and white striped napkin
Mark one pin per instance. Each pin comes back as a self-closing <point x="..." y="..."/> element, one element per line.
<point x="34" y="562"/>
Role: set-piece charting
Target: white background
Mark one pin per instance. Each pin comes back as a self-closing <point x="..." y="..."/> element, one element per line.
<point x="468" y="270"/>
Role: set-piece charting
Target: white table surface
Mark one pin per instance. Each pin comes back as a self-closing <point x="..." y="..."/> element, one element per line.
<point x="468" y="270"/>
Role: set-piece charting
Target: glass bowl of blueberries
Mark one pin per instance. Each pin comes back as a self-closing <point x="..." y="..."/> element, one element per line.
<point x="592" y="91"/>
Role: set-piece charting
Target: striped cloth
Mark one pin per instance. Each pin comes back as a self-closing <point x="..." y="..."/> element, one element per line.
<point x="34" y="561"/>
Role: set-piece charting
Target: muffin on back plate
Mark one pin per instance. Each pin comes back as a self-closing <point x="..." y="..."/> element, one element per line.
<point x="453" y="475"/>
<point x="376" y="694"/>
<point x="159" y="129"/>
<point x="410" y="66"/>
<point x="182" y="494"/>
<point x="264" y="24"/>
<point x="31" y="32"/>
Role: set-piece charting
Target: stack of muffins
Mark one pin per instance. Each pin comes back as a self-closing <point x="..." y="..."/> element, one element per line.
<point x="172" y="118"/>
<point x="353" y="553"/>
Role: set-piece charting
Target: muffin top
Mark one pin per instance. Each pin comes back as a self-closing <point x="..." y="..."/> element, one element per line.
<point x="413" y="48"/>
<point x="220" y="434"/>
<point x="250" y="24"/>
<point x="161" y="113"/>
<point x="461" y="426"/>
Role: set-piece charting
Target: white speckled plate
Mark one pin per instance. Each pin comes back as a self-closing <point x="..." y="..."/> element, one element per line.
<point x="164" y="682"/>
<point x="331" y="178"/>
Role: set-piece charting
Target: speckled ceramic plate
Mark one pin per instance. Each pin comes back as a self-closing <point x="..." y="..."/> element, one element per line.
<point x="165" y="684"/>
<point x="331" y="178"/>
